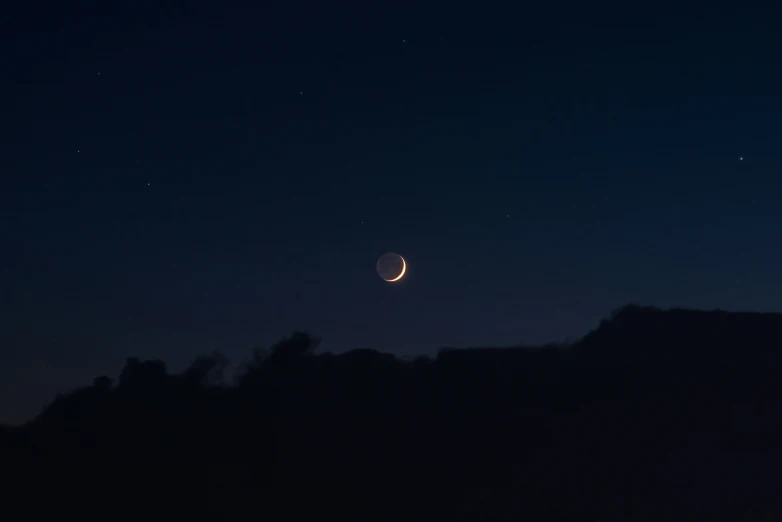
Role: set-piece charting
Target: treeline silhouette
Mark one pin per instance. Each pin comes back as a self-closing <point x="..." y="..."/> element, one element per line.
<point x="654" y="415"/>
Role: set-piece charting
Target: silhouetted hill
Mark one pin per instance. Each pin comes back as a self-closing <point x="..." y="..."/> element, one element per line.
<point x="655" y="333"/>
<point x="655" y="414"/>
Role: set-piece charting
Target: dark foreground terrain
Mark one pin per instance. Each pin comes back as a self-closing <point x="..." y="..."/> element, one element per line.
<point x="655" y="415"/>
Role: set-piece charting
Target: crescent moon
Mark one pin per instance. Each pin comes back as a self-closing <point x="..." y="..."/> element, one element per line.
<point x="402" y="273"/>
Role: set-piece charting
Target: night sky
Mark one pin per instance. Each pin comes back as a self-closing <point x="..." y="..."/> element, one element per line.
<point x="184" y="178"/>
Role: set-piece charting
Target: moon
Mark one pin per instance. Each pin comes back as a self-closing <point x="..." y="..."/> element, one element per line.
<point x="391" y="267"/>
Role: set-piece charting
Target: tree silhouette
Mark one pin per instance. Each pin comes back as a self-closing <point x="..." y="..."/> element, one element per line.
<point x="208" y="370"/>
<point x="288" y="351"/>
<point x="655" y="414"/>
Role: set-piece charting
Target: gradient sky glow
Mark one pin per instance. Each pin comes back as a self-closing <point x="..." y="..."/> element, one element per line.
<point x="183" y="180"/>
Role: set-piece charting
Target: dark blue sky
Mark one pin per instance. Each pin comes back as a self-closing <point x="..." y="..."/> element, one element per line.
<point x="178" y="180"/>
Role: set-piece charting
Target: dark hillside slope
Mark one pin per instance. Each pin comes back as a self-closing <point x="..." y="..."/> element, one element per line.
<point x="654" y="414"/>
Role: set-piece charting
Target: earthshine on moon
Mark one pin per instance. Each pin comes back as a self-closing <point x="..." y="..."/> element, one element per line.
<point x="391" y="267"/>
